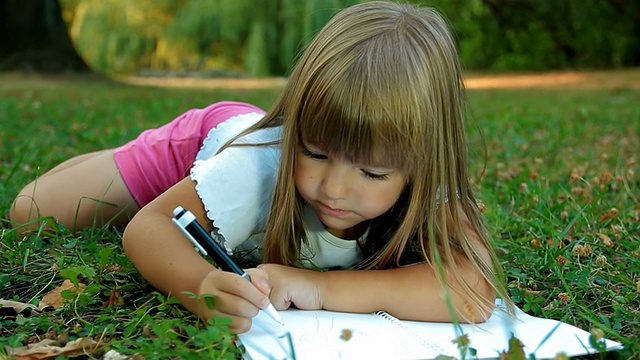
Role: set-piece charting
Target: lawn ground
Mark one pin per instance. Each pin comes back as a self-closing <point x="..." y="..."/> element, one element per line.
<point x="555" y="159"/>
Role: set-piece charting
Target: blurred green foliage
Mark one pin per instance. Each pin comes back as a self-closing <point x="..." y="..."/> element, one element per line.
<point x="545" y="34"/>
<point x="263" y="37"/>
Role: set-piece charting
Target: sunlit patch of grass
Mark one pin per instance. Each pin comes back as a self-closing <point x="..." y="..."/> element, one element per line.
<point x="560" y="183"/>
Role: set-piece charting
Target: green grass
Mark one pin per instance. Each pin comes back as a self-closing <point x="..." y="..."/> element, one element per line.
<point x="557" y="162"/>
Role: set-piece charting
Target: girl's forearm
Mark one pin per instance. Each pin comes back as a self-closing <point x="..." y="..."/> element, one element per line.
<point x="409" y="293"/>
<point x="159" y="249"/>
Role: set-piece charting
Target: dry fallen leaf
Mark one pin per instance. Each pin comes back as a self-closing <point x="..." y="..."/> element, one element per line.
<point x="114" y="355"/>
<point x="13" y="308"/>
<point x="609" y="214"/>
<point x="114" y="299"/>
<point x="50" y="348"/>
<point x="54" y="297"/>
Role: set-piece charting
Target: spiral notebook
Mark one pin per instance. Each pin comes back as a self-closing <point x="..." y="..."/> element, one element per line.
<point x="310" y="335"/>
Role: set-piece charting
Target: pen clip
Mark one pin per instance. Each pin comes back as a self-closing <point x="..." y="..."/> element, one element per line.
<point x="197" y="246"/>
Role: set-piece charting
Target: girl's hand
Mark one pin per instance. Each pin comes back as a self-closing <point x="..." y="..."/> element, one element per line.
<point x="234" y="297"/>
<point x="289" y="285"/>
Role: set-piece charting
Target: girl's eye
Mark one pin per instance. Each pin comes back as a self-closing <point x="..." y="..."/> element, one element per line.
<point x="313" y="155"/>
<point x="375" y="176"/>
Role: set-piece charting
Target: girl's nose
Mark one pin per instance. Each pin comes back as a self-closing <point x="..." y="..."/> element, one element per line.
<point x="334" y="182"/>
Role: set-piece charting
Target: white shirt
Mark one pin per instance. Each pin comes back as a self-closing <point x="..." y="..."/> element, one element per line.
<point x="236" y="187"/>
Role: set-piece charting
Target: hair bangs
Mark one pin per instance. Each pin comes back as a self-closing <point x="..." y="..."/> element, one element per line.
<point x="348" y="117"/>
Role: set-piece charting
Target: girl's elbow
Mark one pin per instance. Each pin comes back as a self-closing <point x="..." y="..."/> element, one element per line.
<point x="476" y="305"/>
<point x="482" y="315"/>
<point x="130" y="236"/>
<point x="483" y="308"/>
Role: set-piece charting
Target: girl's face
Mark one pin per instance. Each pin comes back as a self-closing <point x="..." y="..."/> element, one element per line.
<point x="344" y="194"/>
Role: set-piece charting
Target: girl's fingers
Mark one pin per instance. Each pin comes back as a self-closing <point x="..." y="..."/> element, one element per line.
<point x="260" y="279"/>
<point x="234" y="297"/>
<point x="234" y="306"/>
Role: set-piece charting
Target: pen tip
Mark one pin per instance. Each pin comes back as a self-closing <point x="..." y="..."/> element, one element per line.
<point x="273" y="313"/>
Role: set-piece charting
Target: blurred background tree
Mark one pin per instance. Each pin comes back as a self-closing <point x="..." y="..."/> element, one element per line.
<point x="263" y="37"/>
<point x="34" y="37"/>
<point x="546" y="34"/>
<point x="210" y="37"/>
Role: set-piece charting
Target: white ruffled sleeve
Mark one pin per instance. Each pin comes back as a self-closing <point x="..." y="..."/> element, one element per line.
<point x="224" y="132"/>
<point x="236" y="185"/>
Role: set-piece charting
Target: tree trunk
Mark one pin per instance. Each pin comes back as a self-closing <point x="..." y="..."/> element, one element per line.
<point x="33" y="37"/>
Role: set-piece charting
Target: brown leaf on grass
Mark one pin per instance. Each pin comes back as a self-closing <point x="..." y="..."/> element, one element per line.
<point x="534" y="292"/>
<point x="114" y="355"/>
<point x="54" y="297"/>
<point x="609" y="214"/>
<point x="606" y="241"/>
<point x="48" y="348"/>
<point x="114" y="299"/>
<point x="13" y="308"/>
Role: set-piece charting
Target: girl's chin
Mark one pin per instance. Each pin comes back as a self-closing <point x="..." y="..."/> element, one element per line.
<point x="343" y="230"/>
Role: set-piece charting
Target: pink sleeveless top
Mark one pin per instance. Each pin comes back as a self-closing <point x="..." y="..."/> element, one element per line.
<point x="159" y="158"/>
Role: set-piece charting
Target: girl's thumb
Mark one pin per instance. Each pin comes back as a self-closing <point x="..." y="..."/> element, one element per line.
<point x="260" y="279"/>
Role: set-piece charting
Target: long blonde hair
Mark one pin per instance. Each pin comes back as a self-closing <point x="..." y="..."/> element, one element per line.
<point x="386" y="77"/>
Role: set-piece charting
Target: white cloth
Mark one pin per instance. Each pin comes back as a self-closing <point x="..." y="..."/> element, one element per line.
<point x="326" y="251"/>
<point x="236" y="187"/>
<point x="323" y="251"/>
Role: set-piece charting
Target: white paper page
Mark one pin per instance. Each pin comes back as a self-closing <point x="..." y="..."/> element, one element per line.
<point x="317" y="335"/>
<point x="329" y="335"/>
<point x="491" y="338"/>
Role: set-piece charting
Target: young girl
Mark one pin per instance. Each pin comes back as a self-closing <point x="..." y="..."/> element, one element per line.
<point x="359" y="168"/>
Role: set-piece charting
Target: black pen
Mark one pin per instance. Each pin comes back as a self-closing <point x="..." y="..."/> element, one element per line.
<point x="207" y="245"/>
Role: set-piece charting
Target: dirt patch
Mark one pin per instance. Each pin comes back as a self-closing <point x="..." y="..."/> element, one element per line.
<point x="213" y="83"/>
<point x="625" y="78"/>
<point x="628" y="78"/>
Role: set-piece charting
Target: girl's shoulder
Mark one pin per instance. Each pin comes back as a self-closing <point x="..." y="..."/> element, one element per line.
<point x="224" y="131"/>
<point x="236" y="185"/>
